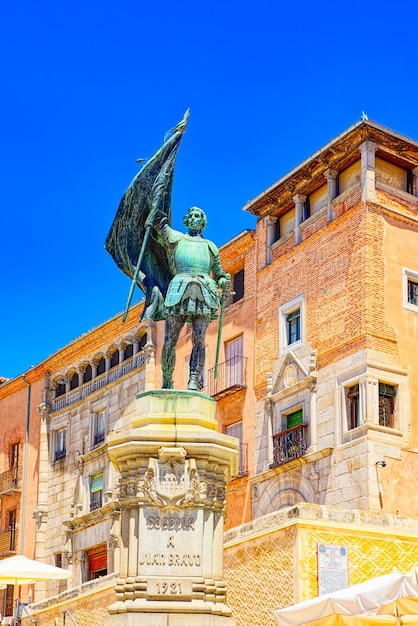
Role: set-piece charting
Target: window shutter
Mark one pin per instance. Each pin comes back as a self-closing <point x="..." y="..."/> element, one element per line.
<point x="294" y="419"/>
<point x="96" y="482"/>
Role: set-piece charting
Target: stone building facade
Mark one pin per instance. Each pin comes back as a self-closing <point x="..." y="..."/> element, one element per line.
<point x="317" y="379"/>
<point x="335" y="321"/>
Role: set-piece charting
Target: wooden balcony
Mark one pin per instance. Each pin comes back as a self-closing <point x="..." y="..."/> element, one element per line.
<point x="231" y="377"/>
<point x="289" y="444"/>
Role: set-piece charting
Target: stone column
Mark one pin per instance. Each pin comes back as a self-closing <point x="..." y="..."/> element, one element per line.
<point x="331" y="177"/>
<point x="174" y="466"/>
<point x="270" y="223"/>
<point x="41" y="512"/>
<point x="299" y="200"/>
<point x="368" y="173"/>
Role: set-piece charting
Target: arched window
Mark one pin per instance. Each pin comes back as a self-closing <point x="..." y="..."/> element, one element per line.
<point x="143" y="341"/>
<point x="101" y="366"/>
<point x="60" y="388"/>
<point x="74" y="382"/>
<point x="114" y="359"/>
<point x="128" y="352"/>
<point x="88" y="374"/>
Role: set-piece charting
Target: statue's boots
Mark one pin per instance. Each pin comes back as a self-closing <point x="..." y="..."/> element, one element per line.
<point x="193" y="383"/>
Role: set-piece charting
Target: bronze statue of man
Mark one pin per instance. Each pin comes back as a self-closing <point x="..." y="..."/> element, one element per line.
<point x="180" y="273"/>
<point x="193" y="293"/>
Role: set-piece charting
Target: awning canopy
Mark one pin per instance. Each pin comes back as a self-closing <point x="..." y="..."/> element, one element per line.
<point x="380" y="600"/>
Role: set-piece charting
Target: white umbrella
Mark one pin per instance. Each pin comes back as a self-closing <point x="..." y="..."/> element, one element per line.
<point x="19" y="570"/>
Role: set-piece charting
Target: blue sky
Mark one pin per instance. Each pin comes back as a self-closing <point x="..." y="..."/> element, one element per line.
<point x="89" y="87"/>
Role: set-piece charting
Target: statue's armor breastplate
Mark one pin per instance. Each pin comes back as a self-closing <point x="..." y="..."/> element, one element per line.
<point x="192" y="256"/>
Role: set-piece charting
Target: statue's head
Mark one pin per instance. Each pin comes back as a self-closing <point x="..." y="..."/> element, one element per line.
<point x="195" y="220"/>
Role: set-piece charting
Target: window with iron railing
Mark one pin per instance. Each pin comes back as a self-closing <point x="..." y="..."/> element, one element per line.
<point x="387" y="396"/>
<point x="289" y="444"/>
<point x="96" y="491"/>
<point x="99" y="427"/>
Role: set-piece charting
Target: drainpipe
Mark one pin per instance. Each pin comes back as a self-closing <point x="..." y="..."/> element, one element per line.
<point x="25" y="471"/>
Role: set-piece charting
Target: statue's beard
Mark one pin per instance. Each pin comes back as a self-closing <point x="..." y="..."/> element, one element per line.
<point x="195" y="231"/>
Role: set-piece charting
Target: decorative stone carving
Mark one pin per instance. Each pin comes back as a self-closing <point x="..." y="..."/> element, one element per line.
<point x="44" y="408"/>
<point x="40" y="514"/>
<point x="149" y="351"/>
<point x="171" y="480"/>
<point x="290" y="375"/>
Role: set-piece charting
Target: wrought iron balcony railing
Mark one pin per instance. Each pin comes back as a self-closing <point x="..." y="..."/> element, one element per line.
<point x="231" y="377"/>
<point x="8" y="541"/>
<point x="289" y="444"/>
<point x="96" y="504"/>
<point x="11" y="480"/>
<point x="99" y="438"/>
<point x="60" y="454"/>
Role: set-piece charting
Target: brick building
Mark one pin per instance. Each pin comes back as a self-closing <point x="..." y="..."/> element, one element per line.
<point x="317" y="379"/>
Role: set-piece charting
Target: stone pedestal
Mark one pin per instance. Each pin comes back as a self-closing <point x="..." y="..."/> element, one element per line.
<point x="174" y="465"/>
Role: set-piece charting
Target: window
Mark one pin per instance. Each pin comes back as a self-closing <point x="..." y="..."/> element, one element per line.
<point x="14" y="455"/>
<point x="101" y="366"/>
<point x="290" y="438"/>
<point x="97" y="562"/>
<point x="387" y="395"/>
<point x="294" y="419"/>
<point x="291" y="317"/>
<point x="74" y="382"/>
<point x="88" y="374"/>
<point x="11" y="523"/>
<point x="412" y="292"/>
<point x="96" y="491"/>
<point x="234" y="351"/>
<point x="60" y="388"/>
<point x="306" y="209"/>
<point x="353" y="407"/>
<point x="410" y="289"/>
<point x="60" y="449"/>
<point x="114" y="360"/>
<point x="128" y="352"/>
<point x="293" y="327"/>
<point x="238" y="286"/>
<point x="236" y="430"/>
<point x="99" y="427"/>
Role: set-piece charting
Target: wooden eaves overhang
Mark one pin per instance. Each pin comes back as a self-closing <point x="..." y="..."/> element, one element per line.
<point x="336" y="155"/>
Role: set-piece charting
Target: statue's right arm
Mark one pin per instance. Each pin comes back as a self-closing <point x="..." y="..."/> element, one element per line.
<point x="165" y="232"/>
<point x="161" y="226"/>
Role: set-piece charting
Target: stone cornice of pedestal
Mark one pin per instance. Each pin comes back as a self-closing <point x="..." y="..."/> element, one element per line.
<point x="174" y="418"/>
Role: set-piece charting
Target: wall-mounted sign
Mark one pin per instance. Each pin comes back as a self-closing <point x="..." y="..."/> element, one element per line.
<point x="332" y="568"/>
